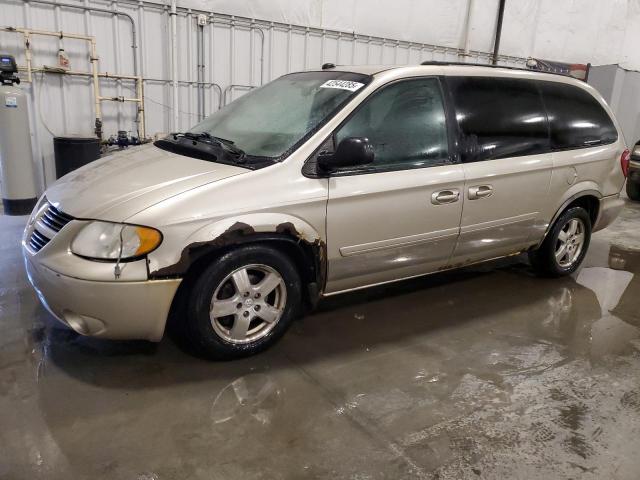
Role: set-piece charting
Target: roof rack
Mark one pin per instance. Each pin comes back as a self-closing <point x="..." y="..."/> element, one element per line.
<point x="463" y="64"/>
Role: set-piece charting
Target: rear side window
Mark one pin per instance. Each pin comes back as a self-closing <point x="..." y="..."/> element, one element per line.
<point x="499" y="117"/>
<point x="577" y="119"/>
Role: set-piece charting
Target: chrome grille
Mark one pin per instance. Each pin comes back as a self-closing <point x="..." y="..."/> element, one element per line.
<point x="51" y="222"/>
<point x="37" y="241"/>
<point x="55" y="219"/>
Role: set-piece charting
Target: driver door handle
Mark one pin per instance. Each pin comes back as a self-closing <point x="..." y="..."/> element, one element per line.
<point x="480" y="191"/>
<point x="445" y="196"/>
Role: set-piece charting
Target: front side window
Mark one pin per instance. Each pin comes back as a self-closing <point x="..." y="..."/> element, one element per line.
<point x="405" y="123"/>
<point x="499" y="117"/>
<point x="577" y="119"/>
<point x="270" y="121"/>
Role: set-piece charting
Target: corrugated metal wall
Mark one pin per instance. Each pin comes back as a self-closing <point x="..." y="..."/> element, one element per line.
<point x="239" y="53"/>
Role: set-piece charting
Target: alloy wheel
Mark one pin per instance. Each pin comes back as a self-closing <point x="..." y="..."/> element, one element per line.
<point x="248" y="303"/>
<point x="570" y="243"/>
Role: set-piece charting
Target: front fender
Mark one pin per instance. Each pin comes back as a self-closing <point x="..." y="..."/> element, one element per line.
<point x="257" y="223"/>
<point x="230" y="231"/>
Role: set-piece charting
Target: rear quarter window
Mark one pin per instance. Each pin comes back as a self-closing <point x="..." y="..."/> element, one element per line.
<point x="576" y="118"/>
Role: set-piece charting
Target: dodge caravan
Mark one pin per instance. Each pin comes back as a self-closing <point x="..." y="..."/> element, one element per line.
<point x="323" y="182"/>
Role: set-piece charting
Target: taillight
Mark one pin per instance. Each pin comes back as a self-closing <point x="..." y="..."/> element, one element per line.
<point x="624" y="162"/>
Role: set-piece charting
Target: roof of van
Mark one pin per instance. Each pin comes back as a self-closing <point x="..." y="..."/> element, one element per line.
<point x="453" y="68"/>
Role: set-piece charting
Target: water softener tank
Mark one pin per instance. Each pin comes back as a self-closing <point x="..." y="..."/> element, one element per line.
<point x="74" y="151"/>
<point x="18" y="184"/>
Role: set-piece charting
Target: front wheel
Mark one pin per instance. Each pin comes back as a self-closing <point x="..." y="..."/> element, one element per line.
<point x="633" y="190"/>
<point x="565" y="246"/>
<point x="243" y="303"/>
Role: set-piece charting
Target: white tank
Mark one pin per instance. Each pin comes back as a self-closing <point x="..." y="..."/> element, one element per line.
<point x="18" y="184"/>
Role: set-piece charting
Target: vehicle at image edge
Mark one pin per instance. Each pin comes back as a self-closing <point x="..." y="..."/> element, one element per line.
<point x="323" y="182"/>
<point x="633" y="178"/>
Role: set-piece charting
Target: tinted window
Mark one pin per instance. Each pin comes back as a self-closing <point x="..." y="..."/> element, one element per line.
<point x="499" y="117"/>
<point x="576" y="118"/>
<point x="405" y="123"/>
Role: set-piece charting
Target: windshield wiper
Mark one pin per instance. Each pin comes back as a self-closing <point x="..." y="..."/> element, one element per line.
<point x="206" y="137"/>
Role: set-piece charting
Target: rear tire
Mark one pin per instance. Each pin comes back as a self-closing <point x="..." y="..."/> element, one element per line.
<point x="565" y="246"/>
<point x="242" y="303"/>
<point x="633" y="190"/>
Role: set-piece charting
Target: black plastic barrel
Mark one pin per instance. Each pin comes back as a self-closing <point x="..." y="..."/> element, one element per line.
<point x="73" y="152"/>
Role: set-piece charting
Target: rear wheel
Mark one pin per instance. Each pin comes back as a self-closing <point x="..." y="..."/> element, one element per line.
<point x="633" y="190"/>
<point x="565" y="246"/>
<point x="243" y="303"/>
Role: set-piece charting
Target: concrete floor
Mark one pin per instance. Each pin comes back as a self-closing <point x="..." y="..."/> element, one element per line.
<point x="484" y="373"/>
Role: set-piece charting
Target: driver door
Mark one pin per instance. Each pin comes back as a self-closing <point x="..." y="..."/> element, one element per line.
<point x="399" y="216"/>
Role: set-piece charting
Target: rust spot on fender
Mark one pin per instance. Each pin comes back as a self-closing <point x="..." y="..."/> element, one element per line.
<point x="318" y="249"/>
<point x="195" y="250"/>
<point x="235" y="234"/>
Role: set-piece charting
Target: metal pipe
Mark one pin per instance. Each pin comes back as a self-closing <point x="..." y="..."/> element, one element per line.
<point x="261" y="32"/>
<point x="116" y="58"/>
<point x="251" y="51"/>
<point x="466" y="40"/>
<point x="496" y="44"/>
<point x="93" y="59"/>
<point x="200" y="70"/>
<point x="232" y="48"/>
<point x="63" y="93"/>
<point x="211" y="73"/>
<point x="306" y="49"/>
<point x="85" y="8"/>
<point x="141" y="124"/>
<point x="174" y="64"/>
<point x="27" y="54"/>
<point x="232" y="87"/>
<point x="353" y="49"/>
<point x="190" y="61"/>
<point x="120" y="99"/>
<point x="27" y="33"/>
<point x="48" y="33"/>
<point x="270" y="60"/>
<point x="289" y="49"/>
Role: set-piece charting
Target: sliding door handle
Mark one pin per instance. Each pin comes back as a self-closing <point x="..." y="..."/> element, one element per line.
<point x="480" y="191"/>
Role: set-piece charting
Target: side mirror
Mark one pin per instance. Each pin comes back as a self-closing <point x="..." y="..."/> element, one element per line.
<point x="351" y="152"/>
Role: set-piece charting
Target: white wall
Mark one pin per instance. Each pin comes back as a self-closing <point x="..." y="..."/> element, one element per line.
<point x="565" y="30"/>
<point x="581" y="31"/>
<point x="621" y="89"/>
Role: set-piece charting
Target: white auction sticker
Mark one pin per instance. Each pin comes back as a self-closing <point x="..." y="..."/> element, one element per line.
<point x="11" y="102"/>
<point x="342" y="85"/>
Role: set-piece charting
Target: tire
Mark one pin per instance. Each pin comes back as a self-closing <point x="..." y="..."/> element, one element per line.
<point x="216" y="335"/>
<point x="544" y="260"/>
<point x="633" y="190"/>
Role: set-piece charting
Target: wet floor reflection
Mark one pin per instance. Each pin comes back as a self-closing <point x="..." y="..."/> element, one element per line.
<point x="488" y="372"/>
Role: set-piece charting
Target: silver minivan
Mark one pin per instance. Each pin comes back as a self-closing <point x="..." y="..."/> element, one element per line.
<point x="323" y="182"/>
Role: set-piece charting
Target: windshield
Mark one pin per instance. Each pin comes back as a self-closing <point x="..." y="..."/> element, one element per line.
<point x="271" y="120"/>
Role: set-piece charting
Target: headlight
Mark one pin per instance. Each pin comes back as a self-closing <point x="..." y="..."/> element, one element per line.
<point x="113" y="241"/>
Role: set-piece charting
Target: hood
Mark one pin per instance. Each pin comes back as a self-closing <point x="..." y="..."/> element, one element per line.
<point x="123" y="184"/>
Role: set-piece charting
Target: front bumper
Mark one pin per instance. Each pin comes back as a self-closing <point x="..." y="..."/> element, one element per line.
<point x="114" y="310"/>
<point x="87" y="295"/>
